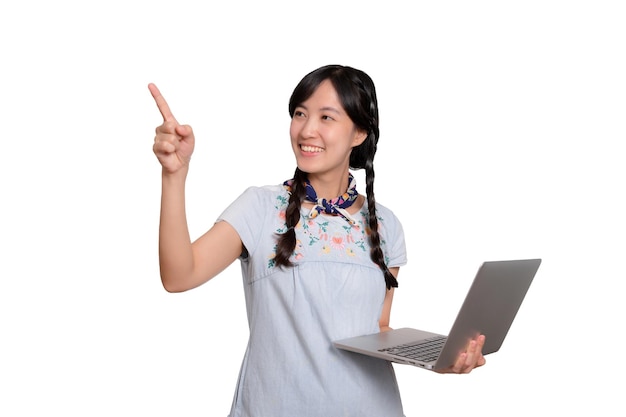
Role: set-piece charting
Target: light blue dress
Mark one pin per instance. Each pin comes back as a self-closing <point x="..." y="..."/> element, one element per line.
<point x="334" y="291"/>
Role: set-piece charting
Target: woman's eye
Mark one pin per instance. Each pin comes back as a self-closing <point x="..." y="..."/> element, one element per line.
<point x="326" y="117"/>
<point x="298" y="113"/>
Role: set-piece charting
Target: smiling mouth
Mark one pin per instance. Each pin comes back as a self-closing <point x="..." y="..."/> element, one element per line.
<point x="313" y="149"/>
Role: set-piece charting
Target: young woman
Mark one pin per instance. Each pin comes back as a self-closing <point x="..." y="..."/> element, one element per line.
<point x="319" y="260"/>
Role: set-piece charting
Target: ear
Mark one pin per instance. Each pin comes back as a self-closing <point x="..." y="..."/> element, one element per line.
<point x="359" y="138"/>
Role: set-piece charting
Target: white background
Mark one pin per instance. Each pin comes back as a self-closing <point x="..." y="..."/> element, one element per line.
<point x="502" y="130"/>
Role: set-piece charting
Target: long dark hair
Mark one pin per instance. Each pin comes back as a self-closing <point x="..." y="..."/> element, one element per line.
<point x="358" y="97"/>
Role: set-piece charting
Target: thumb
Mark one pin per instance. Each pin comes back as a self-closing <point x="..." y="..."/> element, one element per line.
<point x="184" y="131"/>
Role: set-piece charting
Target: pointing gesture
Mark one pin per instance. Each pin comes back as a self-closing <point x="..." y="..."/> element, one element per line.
<point x="173" y="143"/>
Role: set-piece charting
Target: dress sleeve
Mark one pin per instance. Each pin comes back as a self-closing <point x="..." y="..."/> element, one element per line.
<point x="246" y="215"/>
<point x="393" y="243"/>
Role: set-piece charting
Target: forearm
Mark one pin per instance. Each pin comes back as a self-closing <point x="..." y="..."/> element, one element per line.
<point x="385" y="317"/>
<point x="175" y="252"/>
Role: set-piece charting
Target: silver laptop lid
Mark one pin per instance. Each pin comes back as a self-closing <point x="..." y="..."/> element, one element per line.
<point x="504" y="284"/>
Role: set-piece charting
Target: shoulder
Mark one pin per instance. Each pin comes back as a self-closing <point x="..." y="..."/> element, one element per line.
<point x="392" y="236"/>
<point x="265" y="193"/>
<point x="390" y="225"/>
<point x="257" y="202"/>
<point x="256" y="209"/>
<point x="385" y="214"/>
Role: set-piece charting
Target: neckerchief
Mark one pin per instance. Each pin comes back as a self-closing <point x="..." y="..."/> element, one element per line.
<point x="336" y="206"/>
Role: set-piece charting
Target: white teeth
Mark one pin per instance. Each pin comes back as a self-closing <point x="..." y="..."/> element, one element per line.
<point x="307" y="148"/>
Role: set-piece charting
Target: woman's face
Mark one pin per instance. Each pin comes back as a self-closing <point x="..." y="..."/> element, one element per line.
<point x="323" y="135"/>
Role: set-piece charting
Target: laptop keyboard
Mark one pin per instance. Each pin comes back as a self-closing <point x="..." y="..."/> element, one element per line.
<point x="426" y="350"/>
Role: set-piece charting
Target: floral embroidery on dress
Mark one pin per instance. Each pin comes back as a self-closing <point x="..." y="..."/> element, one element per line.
<point x="324" y="237"/>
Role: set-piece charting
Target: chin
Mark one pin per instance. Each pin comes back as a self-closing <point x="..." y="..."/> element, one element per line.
<point x="305" y="167"/>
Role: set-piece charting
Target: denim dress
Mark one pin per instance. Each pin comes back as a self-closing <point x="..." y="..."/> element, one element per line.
<point x="333" y="291"/>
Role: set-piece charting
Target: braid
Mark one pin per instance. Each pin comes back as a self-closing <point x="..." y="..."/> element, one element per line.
<point x="358" y="97"/>
<point x="287" y="240"/>
<point x="376" y="252"/>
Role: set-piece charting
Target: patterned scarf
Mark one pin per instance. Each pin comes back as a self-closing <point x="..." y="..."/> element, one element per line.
<point x="336" y="206"/>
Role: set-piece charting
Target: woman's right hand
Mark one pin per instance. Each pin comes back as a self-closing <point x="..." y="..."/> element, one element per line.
<point x="173" y="143"/>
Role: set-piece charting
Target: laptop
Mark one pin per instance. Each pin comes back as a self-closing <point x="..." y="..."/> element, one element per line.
<point x="490" y="306"/>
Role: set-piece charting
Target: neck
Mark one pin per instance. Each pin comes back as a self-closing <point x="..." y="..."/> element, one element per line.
<point x="329" y="187"/>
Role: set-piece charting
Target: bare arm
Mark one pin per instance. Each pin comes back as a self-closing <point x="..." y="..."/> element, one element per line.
<point x="185" y="265"/>
<point x="385" y="316"/>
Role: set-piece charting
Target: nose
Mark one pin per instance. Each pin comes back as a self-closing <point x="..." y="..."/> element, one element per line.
<point x="309" y="128"/>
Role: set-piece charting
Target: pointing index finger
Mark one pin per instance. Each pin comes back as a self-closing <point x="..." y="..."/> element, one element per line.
<point x="161" y="104"/>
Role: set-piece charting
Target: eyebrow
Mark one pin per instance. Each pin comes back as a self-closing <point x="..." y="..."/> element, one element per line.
<point x="326" y="108"/>
<point x="332" y="109"/>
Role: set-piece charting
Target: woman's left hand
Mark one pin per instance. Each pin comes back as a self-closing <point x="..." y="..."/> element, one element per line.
<point x="470" y="359"/>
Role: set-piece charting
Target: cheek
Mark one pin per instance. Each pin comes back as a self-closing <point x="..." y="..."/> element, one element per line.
<point x="293" y="131"/>
<point x="293" y="135"/>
